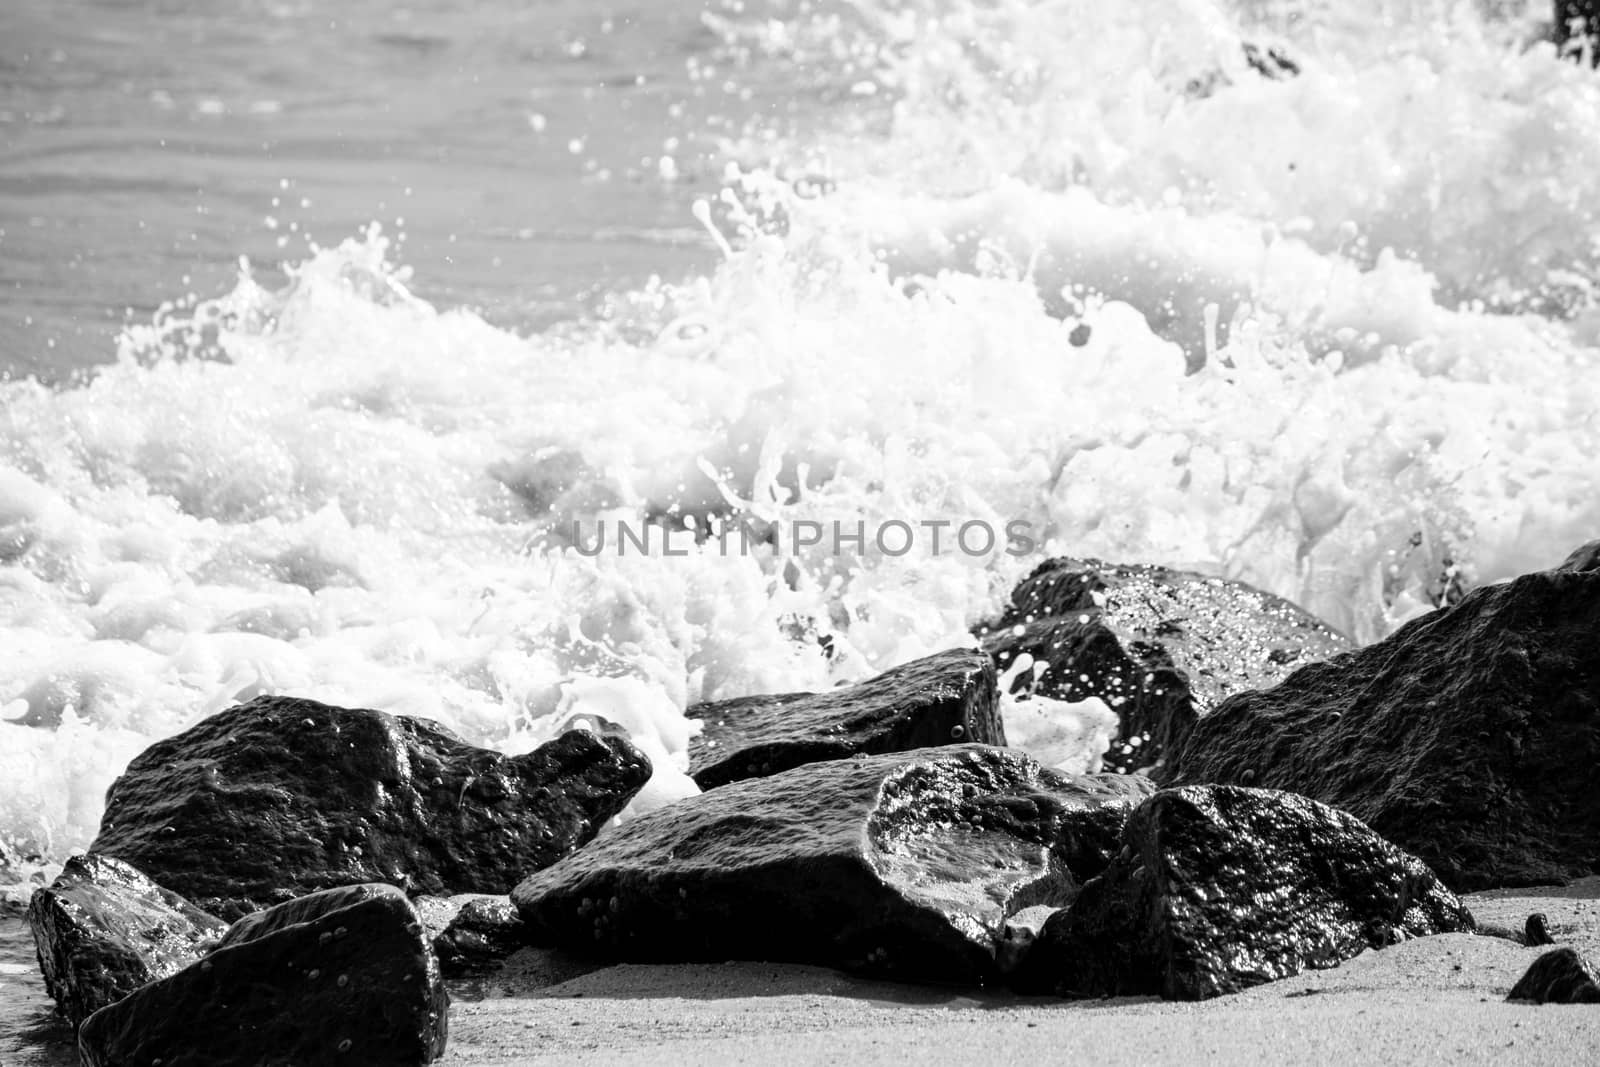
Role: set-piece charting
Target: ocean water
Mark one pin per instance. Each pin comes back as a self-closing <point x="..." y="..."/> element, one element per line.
<point x="1061" y="263"/>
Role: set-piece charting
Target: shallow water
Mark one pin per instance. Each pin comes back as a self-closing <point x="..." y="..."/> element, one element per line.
<point x="970" y="258"/>
<point x="149" y="145"/>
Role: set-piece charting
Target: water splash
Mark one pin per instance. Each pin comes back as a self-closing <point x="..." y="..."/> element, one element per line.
<point x="1033" y="276"/>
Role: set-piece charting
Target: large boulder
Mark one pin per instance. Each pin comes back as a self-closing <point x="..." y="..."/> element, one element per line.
<point x="1563" y="976"/>
<point x="1470" y="736"/>
<point x="277" y="798"/>
<point x="341" y="976"/>
<point x="1159" y="646"/>
<point x="103" y="930"/>
<point x="904" y="865"/>
<point x="1217" y="889"/>
<point x="943" y="699"/>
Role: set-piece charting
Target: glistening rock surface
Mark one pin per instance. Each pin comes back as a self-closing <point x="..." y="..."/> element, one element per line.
<point x="342" y="976"/>
<point x="1218" y="889"/>
<point x="943" y="699"/>
<point x="904" y="865"/>
<point x="1159" y="646"/>
<point x="471" y="931"/>
<point x="103" y="930"/>
<point x="1470" y="736"/>
<point x="279" y="797"/>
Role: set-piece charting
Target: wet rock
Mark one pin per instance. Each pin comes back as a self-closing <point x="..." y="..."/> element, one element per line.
<point x="278" y="798"/>
<point x="1576" y="28"/>
<point x="944" y="699"/>
<point x="1583" y="558"/>
<point x="1091" y="837"/>
<point x="1469" y="736"/>
<point x="103" y="930"/>
<point x="341" y="976"/>
<point x="905" y="865"/>
<point x="1159" y="646"/>
<point x="1218" y="889"/>
<point x="471" y="931"/>
<point x="1563" y="976"/>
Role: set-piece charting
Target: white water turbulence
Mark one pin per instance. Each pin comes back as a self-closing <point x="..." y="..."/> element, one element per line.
<point x="976" y="285"/>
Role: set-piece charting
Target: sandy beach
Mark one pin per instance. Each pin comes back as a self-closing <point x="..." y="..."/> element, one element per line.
<point x="1435" y="1000"/>
<point x="1438" y="1000"/>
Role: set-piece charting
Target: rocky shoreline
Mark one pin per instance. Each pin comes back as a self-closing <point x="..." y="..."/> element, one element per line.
<point x="290" y="880"/>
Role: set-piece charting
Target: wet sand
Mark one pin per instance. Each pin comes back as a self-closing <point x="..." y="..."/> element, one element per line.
<point x="1436" y="1000"/>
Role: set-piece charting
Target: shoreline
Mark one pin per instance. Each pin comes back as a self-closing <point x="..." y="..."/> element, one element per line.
<point x="1432" y="1000"/>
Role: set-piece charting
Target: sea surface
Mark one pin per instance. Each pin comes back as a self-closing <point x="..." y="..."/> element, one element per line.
<point x="334" y="334"/>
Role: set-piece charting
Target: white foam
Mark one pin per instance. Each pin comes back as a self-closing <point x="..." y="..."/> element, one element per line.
<point x="370" y="502"/>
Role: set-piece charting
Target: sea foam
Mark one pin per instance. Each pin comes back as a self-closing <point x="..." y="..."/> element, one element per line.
<point x="1034" y="277"/>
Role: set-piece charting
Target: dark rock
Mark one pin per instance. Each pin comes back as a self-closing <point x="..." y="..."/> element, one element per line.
<point x="1534" y="932"/>
<point x="103" y="930"/>
<point x="1576" y="29"/>
<point x="944" y="699"/>
<point x="342" y="976"/>
<point x="1017" y="936"/>
<point x="1469" y="737"/>
<point x="1159" y="646"/>
<point x="471" y="931"/>
<point x="1089" y="839"/>
<point x="1583" y="558"/>
<point x="278" y="797"/>
<point x="1563" y="976"/>
<point x="1270" y="61"/>
<point x="1218" y="889"/>
<point x="905" y="865"/>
